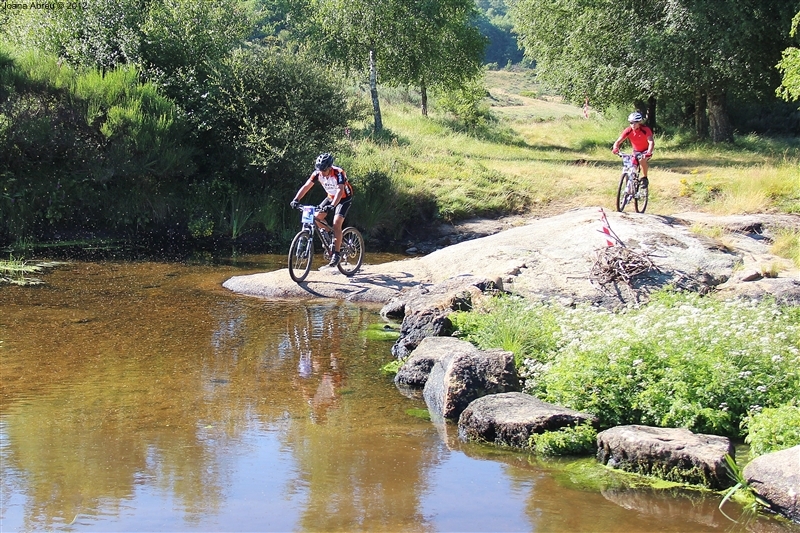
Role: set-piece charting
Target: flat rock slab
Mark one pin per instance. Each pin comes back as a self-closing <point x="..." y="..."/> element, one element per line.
<point x="672" y="454"/>
<point x="776" y="478"/>
<point x="463" y="375"/>
<point x="552" y="258"/>
<point x="510" y="419"/>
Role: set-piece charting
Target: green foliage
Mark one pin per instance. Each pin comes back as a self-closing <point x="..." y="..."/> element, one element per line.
<point x="572" y="440"/>
<point x="790" y="67"/>
<point x="510" y="323"/>
<point x="681" y="361"/>
<point x="773" y="428"/>
<point x="689" y="52"/>
<point x="467" y="104"/>
<point x="80" y="148"/>
<point x="392" y="367"/>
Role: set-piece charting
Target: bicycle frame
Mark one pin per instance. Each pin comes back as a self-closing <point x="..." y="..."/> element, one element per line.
<point x="310" y="221"/>
<point x="301" y="251"/>
<point x="629" y="184"/>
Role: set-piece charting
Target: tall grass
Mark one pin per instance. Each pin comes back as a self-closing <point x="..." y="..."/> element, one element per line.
<point x="541" y="155"/>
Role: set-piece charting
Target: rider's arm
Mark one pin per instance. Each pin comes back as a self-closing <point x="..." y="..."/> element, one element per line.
<point x="650" y="144"/>
<point x="304" y="189"/>
<point x="338" y="196"/>
<point x="622" y="137"/>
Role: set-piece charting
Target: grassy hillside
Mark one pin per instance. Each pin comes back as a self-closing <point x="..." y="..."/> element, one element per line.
<point x="540" y="155"/>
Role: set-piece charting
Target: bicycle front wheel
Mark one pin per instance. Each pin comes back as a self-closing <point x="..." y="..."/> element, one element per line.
<point x="352" y="254"/>
<point x="301" y="254"/>
<point x="640" y="200"/>
<point x="622" y="193"/>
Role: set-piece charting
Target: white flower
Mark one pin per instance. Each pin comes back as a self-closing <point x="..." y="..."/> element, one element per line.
<point x="761" y="388"/>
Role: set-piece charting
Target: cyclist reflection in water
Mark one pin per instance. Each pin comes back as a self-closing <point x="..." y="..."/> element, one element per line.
<point x="340" y="195"/>
<point x="318" y="380"/>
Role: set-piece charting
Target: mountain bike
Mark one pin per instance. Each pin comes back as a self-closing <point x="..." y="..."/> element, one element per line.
<point x="630" y="185"/>
<point x="301" y="251"/>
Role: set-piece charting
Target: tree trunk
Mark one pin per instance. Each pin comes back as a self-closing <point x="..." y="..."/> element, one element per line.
<point x="651" y="113"/>
<point x="700" y="117"/>
<point x="424" y="92"/>
<point x="373" y="91"/>
<point x="719" y="124"/>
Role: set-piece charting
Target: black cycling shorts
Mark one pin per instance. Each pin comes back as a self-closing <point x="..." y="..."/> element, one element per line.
<point x="342" y="208"/>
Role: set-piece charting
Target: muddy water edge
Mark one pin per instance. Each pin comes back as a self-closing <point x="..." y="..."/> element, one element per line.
<point x="144" y="396"/>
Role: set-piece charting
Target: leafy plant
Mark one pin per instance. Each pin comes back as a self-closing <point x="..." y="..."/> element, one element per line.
<point x="773" y="428"/>
<point x="573" y="440"/>
<point x="681" y="361"/>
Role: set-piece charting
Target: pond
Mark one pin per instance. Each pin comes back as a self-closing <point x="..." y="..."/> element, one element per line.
<point x="142" y="396"/>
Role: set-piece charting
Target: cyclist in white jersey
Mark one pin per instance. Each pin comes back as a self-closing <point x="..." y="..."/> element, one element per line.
<point x="339" y="197"/>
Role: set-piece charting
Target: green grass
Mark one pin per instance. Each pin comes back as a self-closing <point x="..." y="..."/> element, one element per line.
<point x="540" y="155"/>
<point x="18" y="272"/>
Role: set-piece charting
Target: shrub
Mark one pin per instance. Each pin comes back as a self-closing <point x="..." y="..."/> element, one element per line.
<point x="575" y="440"/>
<point x="681" y="361"/>
<point x="773" y="429"/>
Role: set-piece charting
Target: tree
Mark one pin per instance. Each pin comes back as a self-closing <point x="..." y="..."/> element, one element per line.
<point x="646" y="50"/>
<point x="790" y="67"/>
<point x="438" y="47"/>
<point x="419" y="42"/>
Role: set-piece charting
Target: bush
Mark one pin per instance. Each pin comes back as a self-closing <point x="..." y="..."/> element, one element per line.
<point x="576" y="440"/>
<point x="773" y="429"/>
<point x="681" y="361"/>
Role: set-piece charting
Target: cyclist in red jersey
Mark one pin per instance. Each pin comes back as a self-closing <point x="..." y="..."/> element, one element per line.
<point x="641" y="138"/>
<point x="340" y="196"/>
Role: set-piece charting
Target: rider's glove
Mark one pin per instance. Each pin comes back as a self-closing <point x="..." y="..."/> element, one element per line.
<point x="327" y="209"/>
<point x="295" y="204"/>
<point x="615" y="151"/>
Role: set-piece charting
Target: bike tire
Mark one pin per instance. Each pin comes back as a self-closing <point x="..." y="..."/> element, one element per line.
<point x="352" y="252"/>
<point x="301" y="255"/>
<point x="622" y="193"/>
<point x="640" y="203"/>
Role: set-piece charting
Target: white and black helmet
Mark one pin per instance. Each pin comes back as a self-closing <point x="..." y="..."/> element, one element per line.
<point x="324" y="161"/>
<point x="635" y="117"/>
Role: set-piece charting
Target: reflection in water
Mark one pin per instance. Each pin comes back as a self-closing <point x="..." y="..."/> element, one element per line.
<point x="143" y="396"/>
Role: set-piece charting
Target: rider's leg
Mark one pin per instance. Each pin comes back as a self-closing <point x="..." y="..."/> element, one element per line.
<point x="338" y="221"/>
<point x="644" y="164"/>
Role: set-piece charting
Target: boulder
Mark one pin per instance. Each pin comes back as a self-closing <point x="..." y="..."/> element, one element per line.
<point x="672" y="454"/>
<point x="465" y="374"/>
<point x="416" y="369"/>
<point x="511" y="418"/>
<point x="424" y="309"/>
<point x="776" y="478"/>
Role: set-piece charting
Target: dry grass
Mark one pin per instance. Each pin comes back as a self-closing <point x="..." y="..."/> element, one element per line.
<point x="543" y="156"/>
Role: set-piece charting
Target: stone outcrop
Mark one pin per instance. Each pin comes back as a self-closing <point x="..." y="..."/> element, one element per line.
<point x="672" y="454"/>
<point x="464" y="374"/>
<point x="511" y="418"/>
<point x="416" y="369"/>
<point x="551" y="258"/>
<point x="776" y="478"/>
<point x="424" y="309"/>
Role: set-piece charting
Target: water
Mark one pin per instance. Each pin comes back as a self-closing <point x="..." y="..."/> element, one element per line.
<point x="145" y="397"/>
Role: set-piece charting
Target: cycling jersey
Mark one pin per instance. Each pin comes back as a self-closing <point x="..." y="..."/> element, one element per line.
<point x="638" y="137"/>
<point x="331" y="183"/>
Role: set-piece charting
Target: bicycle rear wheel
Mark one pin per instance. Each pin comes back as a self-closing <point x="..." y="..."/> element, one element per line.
<point x="623" y="197"/>
<point x="352" y="254"/>
<point x="301" y="254"/>
<point x="640" y="199"/>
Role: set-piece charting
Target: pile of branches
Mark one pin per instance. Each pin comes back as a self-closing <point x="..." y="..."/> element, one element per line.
<point x="619" y="263"/>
